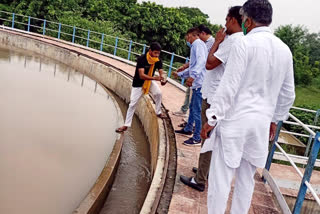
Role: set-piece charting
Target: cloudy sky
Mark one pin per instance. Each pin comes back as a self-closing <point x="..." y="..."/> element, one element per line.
<point x="303" y="12"/>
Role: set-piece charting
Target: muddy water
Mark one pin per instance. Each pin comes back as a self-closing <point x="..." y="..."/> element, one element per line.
<point x="133" y="177"/>
<point x="56" y="132"/>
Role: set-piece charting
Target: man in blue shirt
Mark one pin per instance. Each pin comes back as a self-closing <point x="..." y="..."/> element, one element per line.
<point x="194" y="75"/>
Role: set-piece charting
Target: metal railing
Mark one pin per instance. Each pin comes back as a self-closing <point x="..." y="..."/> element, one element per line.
<point x="305" y="183"/>
<point x="312" y="127"/>
<point x="88" y="38"/>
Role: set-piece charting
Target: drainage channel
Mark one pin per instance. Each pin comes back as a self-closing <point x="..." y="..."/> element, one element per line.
<point x="133" y="177"/>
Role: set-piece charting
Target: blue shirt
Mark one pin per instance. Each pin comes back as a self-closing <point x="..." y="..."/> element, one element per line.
<point x="197" y="65"/>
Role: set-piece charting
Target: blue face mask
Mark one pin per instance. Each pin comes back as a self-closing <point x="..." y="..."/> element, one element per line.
<point x="189" y="44"/>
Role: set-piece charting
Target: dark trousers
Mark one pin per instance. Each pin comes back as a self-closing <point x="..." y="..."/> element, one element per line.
<point x="204" y="158"/>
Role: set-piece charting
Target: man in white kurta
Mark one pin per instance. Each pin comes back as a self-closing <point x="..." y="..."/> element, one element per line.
<point x="217" y="58"/>
<point x="256" y="89"/>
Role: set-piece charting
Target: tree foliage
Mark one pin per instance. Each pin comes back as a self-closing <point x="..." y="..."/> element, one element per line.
<point x="144" y="23"/>
<point x="305" y="48"/>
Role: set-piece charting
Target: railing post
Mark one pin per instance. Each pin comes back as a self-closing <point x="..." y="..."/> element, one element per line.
<point x="29" y="21"/>
<point x="273" y="147"/>
<point x="182" y="81"/>
<point x="144" y="49"/>
<point x="306" y="153"/>
<point x="12" y="20"/>
<point x="129" y="52"/>
<point x="307" y="174"/>
<point x="59" y="31"/>
<point x="101" y="45"/>
<point x="171" y="63"/>
<point x="44" y="27"/>
<point x="315" y="121"/>
<point x="115" y="46"/>
<point x="73" y="33"/>
<point x="88" y="38"/>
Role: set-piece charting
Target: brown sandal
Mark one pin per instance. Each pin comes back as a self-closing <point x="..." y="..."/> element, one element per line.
<point x="121" y="129"/>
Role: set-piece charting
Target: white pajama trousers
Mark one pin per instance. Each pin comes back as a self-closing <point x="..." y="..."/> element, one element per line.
<point x="220" y="179"/>
<point x="136" y="94"/>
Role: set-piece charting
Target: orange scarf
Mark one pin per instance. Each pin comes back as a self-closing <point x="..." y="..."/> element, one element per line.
<point x="147" y="83"/>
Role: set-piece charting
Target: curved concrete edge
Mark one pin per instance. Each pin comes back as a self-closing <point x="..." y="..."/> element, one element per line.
<point x="153" y="197"/>
<point x="94" y="67"/>
<point x="97" y="195"/>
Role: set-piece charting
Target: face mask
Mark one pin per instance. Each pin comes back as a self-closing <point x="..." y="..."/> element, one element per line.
<point x="244" y="29"/>
<point x="189" y="44"/>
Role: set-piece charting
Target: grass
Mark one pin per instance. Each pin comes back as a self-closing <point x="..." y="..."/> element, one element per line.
<point x="308" y="96"/>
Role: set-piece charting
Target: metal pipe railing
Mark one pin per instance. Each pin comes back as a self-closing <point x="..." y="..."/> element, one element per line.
<point x="308" y="171"/>
<point x="295" y="134"/>
<point x="297" y="124"/>
<point x="304" y="109"/>
<point x="46" y="26"/>
<point x="302" y="124"/>
<point x="289" y="159"/>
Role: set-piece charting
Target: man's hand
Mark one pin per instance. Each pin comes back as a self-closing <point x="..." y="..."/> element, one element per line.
<point x="273" y="129"/>
<point x="157" y="78"/>
<point x="189" y="81"/>
<point x="205" y="130"/>
<point x="175" y="74"/>
<point x="220" y="36"/>
<point x="181" y="68"/>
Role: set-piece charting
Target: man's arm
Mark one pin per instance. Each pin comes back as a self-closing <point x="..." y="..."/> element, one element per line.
<point x="183" y="74"/>
<point x="200" y="59"/>
<point x="161" y="73"/>
<point x="183" y="67"/>
<point x="228" y="87"/>
<point x="143" y="76"/>
<point x="212" y="61"/>
<point x="286" y="96"/>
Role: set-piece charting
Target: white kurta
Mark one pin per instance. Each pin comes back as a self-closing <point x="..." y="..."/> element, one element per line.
<point x="257" y="87"/>
<point x="212" y="77"/>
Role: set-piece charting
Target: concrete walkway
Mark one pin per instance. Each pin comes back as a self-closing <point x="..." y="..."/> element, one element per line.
<point x="184" y="199"/>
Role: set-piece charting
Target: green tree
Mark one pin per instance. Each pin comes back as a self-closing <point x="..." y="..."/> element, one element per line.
<point x="305" y="49"/>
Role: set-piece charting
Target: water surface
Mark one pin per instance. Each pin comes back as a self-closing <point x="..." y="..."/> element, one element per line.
<point x="56" y="133"/>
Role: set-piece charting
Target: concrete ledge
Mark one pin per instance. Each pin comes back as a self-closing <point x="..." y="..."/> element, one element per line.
<point x="94" y="66"/>
<point x="97" y="195"/>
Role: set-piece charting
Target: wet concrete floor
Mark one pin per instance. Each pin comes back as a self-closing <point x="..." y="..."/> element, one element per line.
<point x="56" y="133"/>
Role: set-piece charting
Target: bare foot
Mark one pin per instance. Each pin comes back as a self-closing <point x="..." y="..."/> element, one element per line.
<point x="162" y="116"/>
<point x="121" y="129"/>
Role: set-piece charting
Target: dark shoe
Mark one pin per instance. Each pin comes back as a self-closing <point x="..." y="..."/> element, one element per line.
<point x="182" y="125"/>
<point x="187" y="181"/>
<point x="192" y="142"/>
<point x="182" y="131"/>
<point x="194" y="170"/>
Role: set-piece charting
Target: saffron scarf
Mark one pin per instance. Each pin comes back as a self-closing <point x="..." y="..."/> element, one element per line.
<point x="147" y="83"/>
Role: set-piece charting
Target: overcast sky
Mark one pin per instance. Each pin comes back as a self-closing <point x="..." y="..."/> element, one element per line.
<point x="303" y="12"/>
